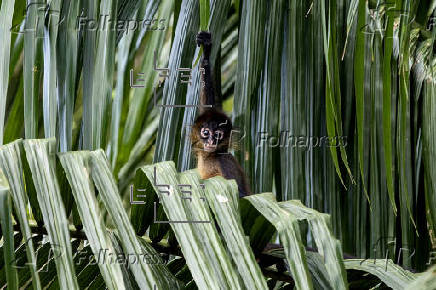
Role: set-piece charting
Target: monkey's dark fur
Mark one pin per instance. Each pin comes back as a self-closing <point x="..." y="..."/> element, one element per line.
<point x="211" y="132"/>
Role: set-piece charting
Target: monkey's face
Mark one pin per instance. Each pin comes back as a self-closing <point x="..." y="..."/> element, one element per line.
<point x="211" y="137"/>
<point x="212" y="132"/>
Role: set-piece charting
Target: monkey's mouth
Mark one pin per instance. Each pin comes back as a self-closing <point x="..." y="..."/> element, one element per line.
<point x="209" y="147"/>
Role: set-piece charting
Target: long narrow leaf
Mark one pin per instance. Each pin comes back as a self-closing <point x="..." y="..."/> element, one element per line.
<point x="50" y="96"/>
<point x="359" y="81"/>
<point x="6" y="224"/>
<point x="10" y="163"/>
<point x="6" y="14"/>
<point x="67" y="51"/>
<point x="250" y="61"/>
<point x="32" y="67"/>
<point x="41" y="158"/>
<point x="103" y="76"/>
<point x="190" y="219"/>
<point x="142" y="96"/>
<point x="77" y="170"/>
<point x="387" y="131"/>
<point x="425" y="281"/>
<point x="391" y="274"/>
<point x="146" y="275"/>
<point x="117" y="104"/>
<point x="89" y="51"/>
<point x="174" y="91"/>
<point x="290" y="236"/>
<point x="327" y="245"/>
<point x="223" y="198"/>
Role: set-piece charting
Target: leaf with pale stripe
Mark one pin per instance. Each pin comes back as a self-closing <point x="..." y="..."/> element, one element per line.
<point x="41" y="158"/>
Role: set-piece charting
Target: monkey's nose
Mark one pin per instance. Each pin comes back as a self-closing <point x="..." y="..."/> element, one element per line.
<point x="212" y="141"/>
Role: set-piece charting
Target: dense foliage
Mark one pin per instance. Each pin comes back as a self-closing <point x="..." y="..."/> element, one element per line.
<point x="333" y="104"/>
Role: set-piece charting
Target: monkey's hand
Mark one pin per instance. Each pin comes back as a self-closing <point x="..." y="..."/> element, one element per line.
<point x="205" y="38"/>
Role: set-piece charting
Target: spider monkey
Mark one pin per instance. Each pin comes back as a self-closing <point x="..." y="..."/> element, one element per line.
<point x="211" y="131"/>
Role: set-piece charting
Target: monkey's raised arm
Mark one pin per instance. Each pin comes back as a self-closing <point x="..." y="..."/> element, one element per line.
<point x="207" y="94"/>
<point x="212" y="129"/>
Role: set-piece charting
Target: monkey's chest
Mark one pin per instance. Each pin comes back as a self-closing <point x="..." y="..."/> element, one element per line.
<point x="209" y="168"/>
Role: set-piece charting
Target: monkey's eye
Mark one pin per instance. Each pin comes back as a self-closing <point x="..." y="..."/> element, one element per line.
<point x="219" y="134"/>
<point x="204" y="132"/>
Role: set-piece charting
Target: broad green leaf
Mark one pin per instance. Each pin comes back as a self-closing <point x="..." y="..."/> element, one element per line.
<point x="146" y="275"/>
<point x="316" y="266"/>
<point x="319" y="271"/>
<point x="382" y="217"/>
<point x="289" y="233"/>
<point x="141" y="214"/>
<point x="425" y="281"/>
<point x="137" y="153"/>
<point x="67" y="53"/>
<point x="328" y="247"/>
<point x="133" y="112"/>
<point x="333" y="91"/>
<point x="336" y="98"/>
<point x="6" y="224"/>
<point x="103" y="77"/>
<point x="404" y="128"/>
<point x="391" y="274"/>
<point x="10" y="164"/>
<point x="89" y="52"/>
<point x="30" y="189"/>
<point x="120" y="89"/>
<point x="125" y="11"/>
<point x="223" y="198"/>
<point x="129" y="279"/>
<point x="41" y="158"/>
<point x="32" y="68"/>
<point x="174" y="92"/>
<point x="359" y="82"/>
<point x="297" y="91"/>
<point x="204" y="14"/>
<point x="14" y="127"/>
<point x="251" y="53"/>
<point x="50" y="92"/>
<point x="143" y="97"/>
<point x="429" y="151"/>
<point x="268" y="99"/>
<point x="77" y="170"/>
<point x="146" y="9"/>
<point x="387" y="125"/>
<point x="352" y="12"/>
<point x="6" y="14"/>
<point x="192" y="223"/>
<point x="47" y="266"/>
<point x="24" y="275"/>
